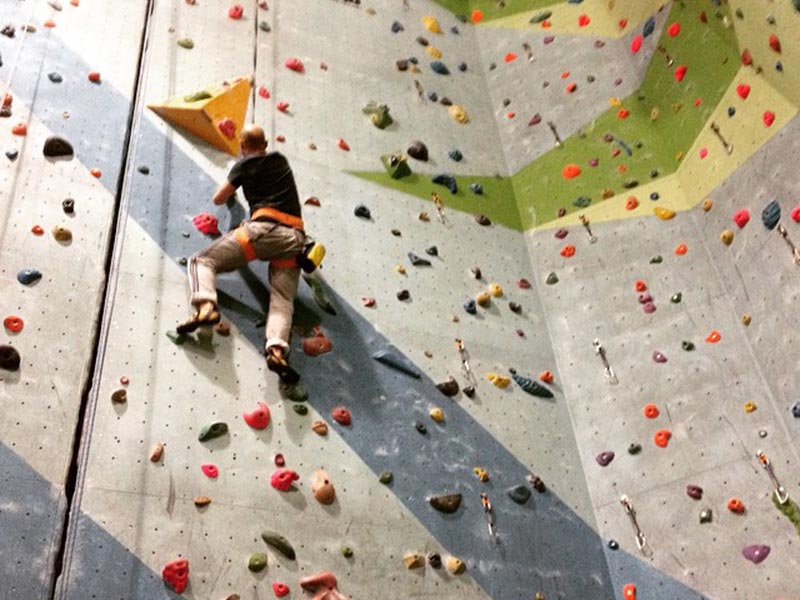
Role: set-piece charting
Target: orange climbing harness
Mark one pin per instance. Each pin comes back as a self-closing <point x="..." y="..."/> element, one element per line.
<point x="240" y="235"/>
<point x="278" y="216"/>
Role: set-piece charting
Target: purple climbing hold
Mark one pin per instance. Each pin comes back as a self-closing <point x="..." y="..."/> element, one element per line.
<point x="535" y="120"/>
<point x="561" y="234"/>
<point x="618" y="82"/>
<point x="594" y="162"/>
<point x="756" y="553"/>
<point x="604" y="458"/>
<point x="694" y="491"/>
<point x="548" y="39"/>
<point x="659" y="357"/>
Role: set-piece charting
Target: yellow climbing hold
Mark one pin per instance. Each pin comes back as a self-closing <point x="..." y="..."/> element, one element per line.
<point x="665" y="214"/>
<point x="679" y="156"/>
<point x="614" y="101"/>
<point x="499" y="380"/>
<point x="707" y="204"/>
<point x="455" y="566"/>
<point x="655" y="113"/>
<point x="481" y="473"/>
<point x="496" y="290"/>
<point x="726" y="237"/>
<point x="400" y="269"/>
<point x="459" y="113"/>
<point x="749" y="407"/>
<point x="483" y="299"/>
<point x="431" y="24"/>
<point x="437" y="414"/>
<point x="434" y="52"/>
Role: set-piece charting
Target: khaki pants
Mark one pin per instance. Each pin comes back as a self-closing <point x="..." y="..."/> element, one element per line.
<point x="271" y="241"/>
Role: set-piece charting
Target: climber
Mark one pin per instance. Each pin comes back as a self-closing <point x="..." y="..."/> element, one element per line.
<point x="274" y="233"/>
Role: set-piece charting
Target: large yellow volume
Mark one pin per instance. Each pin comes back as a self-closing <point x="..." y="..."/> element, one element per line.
<point x="215" y="114"/>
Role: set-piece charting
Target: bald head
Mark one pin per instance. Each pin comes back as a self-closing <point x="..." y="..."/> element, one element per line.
<point x="253" y="139"/>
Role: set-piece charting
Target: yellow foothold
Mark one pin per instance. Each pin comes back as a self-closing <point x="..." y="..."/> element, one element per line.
<point x="400" y="269"/>
<point x="746" y="319"/>
<point x="726" y="237"/>
<point x="414" y="560"/>
<point x="483" y="299"/>
<point x="459" y="113"/>
<point x="437" y="414"/>
<point x="481" y="473"/>
<point x="455" y="565"/>
<point x="499" y="380"/>
<point x="665" y="214"/>
<point x="431" y="24"/>
<point x="614" y="101"/>
<point x="496" y="290"/>
<point x="707" y="204"/>
<point x="749" y="407"/>
<point x="434" y="52"/>
<point x="654" y="114"/>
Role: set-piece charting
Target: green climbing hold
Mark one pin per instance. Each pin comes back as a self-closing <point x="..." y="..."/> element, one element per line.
<point x="320" y="296"/>
<point x="657" y="260"/>
<point x="196" y="97"/>
<point x="582" y="201"/>
<point x="541" y="16"/>
<point x="379" y="114"/>
<point x="300" y="409"/>
<point x="186" y="43"/>
<point x="215" y="430"/>
<point x="264" y="26"/>
<point x="552" y="279"/>
<point x="257" y="562"/>
<point x="347" y="551"/>
<point x="396" y="165"/>
<point x="279" y="543"/>
<point x="676" y="298"/>
<point x="796" y="5"/>
<point x="386" y="477"/>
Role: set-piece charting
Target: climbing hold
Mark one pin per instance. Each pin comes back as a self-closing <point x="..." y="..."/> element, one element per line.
<point x="397" y="27"/>
<point x="756" y="553"/>
<point x="657" y="260"/>
<point x="282" y="479"/>
<point x="680" y="72"/>
<point x="768" y="117"/>
<point x="631" y="203"/>
<point x="746" y="319"/>
<point x="629" y="592"/>
<point x="418" y="150"/>
<point x="210" y="471"/>
<point x="257" y="562"/>
<point x="439" y="67"/>
<point x="206" y="223"/>
<point x="570" y="171"/>
<point x="55" y="147"/>
<point x="661" y="437"/>
<point x="471" y="307"/>
<point x="294" y="64"/>
<point x="448" y="387"/>
<point x="583" y="20"/>
<point x="9" y="358"/>
<point x="515" y="307"/>
<point x="28" y="276"/>
<point x="420" y="427"/>
<point x="676" y="298"/>
<point x="20" y="129"/>
<point x="639" y="285"/>
<point x="68" y="205"/>
<point x="176" y="575"/>
<point x="119" y="396"/>
<point x="362" y="211"/>
<point x="743" y="91"/>
<point x="279" y="543"/>
<point x="659" y="357"/>
<point x="674" y="29"/>
<point x="341" y="415"/>
<point x="259" y="418"/>
<point x="741" y="217"/>
<point x="433" y="52"/>
<point x="446" y="180"/>
<point x="413" y="560"/>
<point x="322" y="488"/>
<point x="279" y="589"/>
<point x="537" y="483"/>
<point x="62" y="234"/>
<point x="665" y="214"/>
<point x="156" y="452"/>
<point x="694" y="491"/>
<point x="446" y="504"/>
<point x="418" y="261"/>
<point x="726" y="237"/>
<point x="482" y="220"/>
<point x="403" y="295"/>
<point x="212" y="431"/>
<point x="681" y="249"/>
<point x="649" y="26"/>
<point x="386" y="477"/>
<point x="532" y="387"/>
<point x="458" y="113"/>
<point x="498" y="380"/>
<point x="552" y="279"/>
<point x="94" y="77"/>
<point x="568" y="251"/>
<point x="519" y="494"/>
<point x="604" y="458"/>
<point x="735" y="505"/>
<point x="13" y="324"/>
<point x="392" y="358"/>
<point x="636" y="43"/>
<point x="634" y="449"/>
<point x="201" y="501"/>
<point x="481" y="473"/>
<point x="651" y="411"/>
<point x="706" y="515"/>
<point x="749" y="407"/>
<point x="342" y="144"/>
<point x="317" y="344"/>
<point x="469" y="391"/>
<point x="456" y="155"/>
<point x="714" y="337"/>
<point x="775" y="43"/>
<point x="455" y="566"/>
<point x="688" y="346"/>
<point x="771" y="215"/>
<point x="613" y="545"/>
<point x="437" y="414"/>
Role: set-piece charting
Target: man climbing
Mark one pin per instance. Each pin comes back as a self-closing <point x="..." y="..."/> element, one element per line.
<point x="274" y="233"/>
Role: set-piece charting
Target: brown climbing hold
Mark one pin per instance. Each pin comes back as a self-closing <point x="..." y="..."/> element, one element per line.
<point x="157" y="452"/>
<point x="323" y="489"/>
<point x="62" y="234"/>
<point x="447" y="504"/>
<point x="708" y="203"/>
<point x="119" y="397"/>
<point x="319" y="427"/>
<point x="726" y="237"/>
<point x="483" y="299"/>
<point x="749" y="407"/>
<point x="746" y="319"/>
<point x="414" y="560"/>
<point x="455" y="566"/>
<point x="449" y="387"/>
<point x="201" y="501"/>
<point x="661" y="438"/>
<point x="341" y="415"/>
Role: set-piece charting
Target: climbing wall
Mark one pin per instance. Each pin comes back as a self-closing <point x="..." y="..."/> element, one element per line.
<point x="693" y="309"/>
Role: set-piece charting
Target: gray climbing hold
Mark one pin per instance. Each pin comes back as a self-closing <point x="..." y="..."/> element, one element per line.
<point x="449" y="387"/>
<point x="706" y="515"/>
<point x="257" y="562"/>
<point x="756" y="553"/>
<point x="435" y="560"/>
<point x="433" y="96"/>
<point x="604" y="458"/>
<point x="532" y="387"/>
<point x="456" y="155"/>
<point x="264" y="26"/>
<point x="279" y="543"/>
<point x="462" y="66"/>
<point x="418" y="150"/>
<point x="432" y="251"/>
<point x="9" y="358"/>
<point x="771" y="215"/>
<point x="215" y="430"/>
<point x="649" y="27"/>
<point x="362" y="212"/>
<point x="12" y="154"/>
<point x="446" y="180"/>
<point x="55" y="77"/>
<point x="476" y="188"/>
<point x="519" y="494"/>
<point x="634" y="449"/>
<point x="796" y="410"/>
<point x="420" y="427"/>
<point x="143" y="169"/>
<point x="28" y="276"/>
<point x="403" y="295"/>
<point x="448" y="503"/>
<point x="418" y="261"/>
<point x="613" y="545"/>
<point x="391" y="357"/>
<point x="439" y="67"/>
<point x="676" y="298"/>
<point x="57" y="147"/>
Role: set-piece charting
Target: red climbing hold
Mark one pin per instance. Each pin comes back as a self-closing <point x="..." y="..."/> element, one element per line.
<point x="510" y="115"/>
<point x="317" y="344"/>
<point x="94" y="77"/>
<point x="264" y="92"/>
<point x="546" y="377"/>
<point x="282" y="479"/>
<point x="279" y="460"/>
<point x="775" y="43"/>
<point x="681" y="249"/>
<point x="341" y="415"/>
<point x="568" y="251"/>
<point x="510" y="57"/>
<point x="703" y="17"/>
<point x="714" y="337"/>
<point x="206" y="223"/>
<point x="795" y="214"/>
<point x="8" y="100"/>
<point x="623" y="23"/>
<point x="228" y="128"/>
<point x="651" y="411"/>
<point x="623" y="113"/>
<point x="661" y="438"/>
<point x="259" y="418"/>
<point x="629" y="592"/>
<point x="698" y="101"/>
<point x="674" y="29"/>
<point x="342" y="144"/>
<point x="631" y="203"/>
<point x="743" y="90"/>
<point x="280" y="589"/>
<point x="295" y="64"/>
<point x="769" y="118"/>
<point x="584" y="20"/>
<point x="680" y="72"/>
<point x="176" y="574"/>
<point x="640" y="286"/>
<point x="282" y="106"/>
<point x="477" y="16"/>
<point x="13" y="323"/>
<point x="636" y="44"/>
<point x="570" y="171"/>
<point x="37" y="230"/>
<point x="280" y="138"/>
<point x="747" y="58"/>
<point x="736" y="505"/>
<point x="20" y="129"/>
<point x="741" y="217"/>
<point x="236" y="11"/>
<point x="210" y="471"/>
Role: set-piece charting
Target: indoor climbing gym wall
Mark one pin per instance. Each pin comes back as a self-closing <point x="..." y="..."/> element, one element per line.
<point x="551" y="352"/>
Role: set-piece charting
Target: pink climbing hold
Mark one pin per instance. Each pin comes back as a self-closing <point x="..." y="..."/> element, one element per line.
<point x="674" y="29"/>
<point x="741" y="217"/>
<point x="743" y="90"/>
<point x="680" y="72"/>
<point x="259" y="418"/>
<point x="295" y="64"/>
<point x="264" y="92"/>
<point x="703" y="153"/>
<point x="317" y="344"/>
<point x="210" y="471"/>
<point x="323" y="585"/>
<point x="282" y="106"/>
<point x="795" y="214"/>
<point x="769" y="118"/>
<point x="636" y="44"/>
<point x="282" y="479"/>
<point x="280" y="589"/>
<point x="341" y="415"/>
<point x="228" y="128"/>
<point x="206" y="223"/>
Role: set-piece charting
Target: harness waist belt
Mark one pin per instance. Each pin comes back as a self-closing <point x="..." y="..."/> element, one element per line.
<point x="241" y="236"/>
<point x="280" y="217"/>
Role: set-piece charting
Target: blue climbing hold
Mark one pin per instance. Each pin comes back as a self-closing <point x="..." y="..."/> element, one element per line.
<point x="28" y="276"/>
<point x="771" y="215"/>
<point x="649" y="27"/>
<point x="532" y="387"/>
<point x="446" y="180"/>
<point x="391" y="357"/>
<point x="455" y="155"/>
<point x="476" y="188"/>
<point x="439" y="67"/>
<point x="397" y="27"/>
<point x="471" y="307"/>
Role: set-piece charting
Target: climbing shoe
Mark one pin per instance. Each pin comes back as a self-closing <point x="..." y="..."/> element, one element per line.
<point x="211" y="319"/>
<point x="278" y="364"/>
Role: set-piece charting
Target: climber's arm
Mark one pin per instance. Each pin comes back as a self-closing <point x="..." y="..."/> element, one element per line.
<point x="225" y="191"/>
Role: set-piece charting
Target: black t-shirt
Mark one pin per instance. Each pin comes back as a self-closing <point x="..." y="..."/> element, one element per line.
<point x="267" y="180"/>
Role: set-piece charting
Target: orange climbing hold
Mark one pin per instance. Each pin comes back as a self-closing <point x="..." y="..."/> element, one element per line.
<point x="570" y="171"/>
<point x="681" y="249"/>
<point x="49" y="24"/>
<point x="629" y="592"/>
<point x="565" y="74"/>
<point x="94" y="77"/>
<point x="568" y="251"/>
<point x="546" y="377"/>
<point x="736" y="505"/>
<point x="640" y="286"/>
<point x="571" y="87"/>
<point x="8" y="100"/>
<point x="13" y="323"/>
<point x="651" y="411"/>
<point x="96" y="173"/>
<point x="714" y="337"/>
<point x="20" y="129"/>
<point x="631" y="203"/>
<point x="661" y="438"/>
<point x="510" y="57"/>
<point x="477" y="16"/>
<point x="546" y="24"/>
